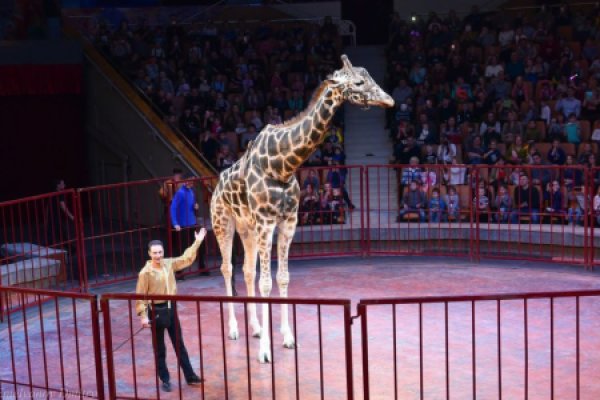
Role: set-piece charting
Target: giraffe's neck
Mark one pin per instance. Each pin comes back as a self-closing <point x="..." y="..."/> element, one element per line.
<point x="297" y="139"/>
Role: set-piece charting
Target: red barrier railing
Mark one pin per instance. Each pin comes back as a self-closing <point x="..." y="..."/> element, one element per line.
<point x="51" y="345"/>
<point x="403" y="218"/>
<point x="363" y="215"/>
<point x="38" y="241"/>
<point x="491" y="346"/>
<point x="323" y="367"/>
<point x="410" y="212"/>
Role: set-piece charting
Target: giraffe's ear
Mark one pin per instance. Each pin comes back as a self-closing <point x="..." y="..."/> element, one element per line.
<point x="346" y="62"/>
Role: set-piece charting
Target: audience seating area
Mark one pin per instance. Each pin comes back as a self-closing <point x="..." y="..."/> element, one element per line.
<point x="503" y="89"/>
<point x="218" y="85"/>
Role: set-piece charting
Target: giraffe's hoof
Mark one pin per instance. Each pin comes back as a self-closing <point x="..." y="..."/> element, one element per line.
<point x="264" y="357"/>
<point x="234" y="335"/>
<point x="289" y="342"/>
<point x="257" y="333"/>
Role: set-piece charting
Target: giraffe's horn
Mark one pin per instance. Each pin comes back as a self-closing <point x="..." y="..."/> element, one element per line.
<point x="346" y="61"/>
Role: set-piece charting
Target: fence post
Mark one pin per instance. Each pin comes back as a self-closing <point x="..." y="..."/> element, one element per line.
<point x="97" y="347"/>
<point x="367" y="210"/>
<point x="364" y="340"/>
<point x="110" y="366"/>
<point x="80" y="242"/>
<point x="348" y="345"/>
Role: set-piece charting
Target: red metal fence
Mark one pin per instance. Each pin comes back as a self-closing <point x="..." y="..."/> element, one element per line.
<point x="321" y="327"/>
<point x="50" y="345"/>
<point x="542" y="345"/>
<point x="39" y="242"/>
<point x="363" y="214"/>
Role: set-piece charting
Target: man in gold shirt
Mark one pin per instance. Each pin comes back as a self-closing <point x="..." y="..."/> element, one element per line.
<point x="157" y="277"/>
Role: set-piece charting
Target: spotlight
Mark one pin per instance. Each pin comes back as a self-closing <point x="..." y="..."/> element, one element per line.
<point x="413" y="17"/>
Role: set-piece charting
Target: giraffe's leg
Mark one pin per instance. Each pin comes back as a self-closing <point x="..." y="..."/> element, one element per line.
<point x="265" y="284"/>
<point x="224" y="229"/>
<point x="284" y="240"/>
<point x="250" y="248"/>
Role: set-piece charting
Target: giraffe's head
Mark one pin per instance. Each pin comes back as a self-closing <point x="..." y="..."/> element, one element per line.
<point x="357" y="86"/>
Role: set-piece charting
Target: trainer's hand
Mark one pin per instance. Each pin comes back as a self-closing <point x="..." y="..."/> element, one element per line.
<point x="200" y="234"/>
<point x="177" y="228"/>
<point x="145" y="323"/>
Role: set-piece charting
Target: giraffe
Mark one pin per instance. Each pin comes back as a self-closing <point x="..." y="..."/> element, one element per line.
<point x="260" y="193"/>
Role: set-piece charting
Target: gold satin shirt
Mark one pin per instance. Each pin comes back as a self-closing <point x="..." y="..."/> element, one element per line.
<point x="152" y="281"/>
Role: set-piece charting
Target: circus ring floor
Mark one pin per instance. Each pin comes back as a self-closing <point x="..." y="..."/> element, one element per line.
<point x="364" y="278"/>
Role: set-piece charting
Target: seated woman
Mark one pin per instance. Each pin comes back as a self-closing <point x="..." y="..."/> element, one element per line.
<point x="517" y="152"/>
<point x="309" y="205"/>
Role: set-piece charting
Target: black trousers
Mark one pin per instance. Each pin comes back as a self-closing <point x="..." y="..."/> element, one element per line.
<point x="164" y="318"/>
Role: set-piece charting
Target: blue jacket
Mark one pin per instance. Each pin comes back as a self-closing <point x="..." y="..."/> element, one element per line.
<point x="182" y="207"/>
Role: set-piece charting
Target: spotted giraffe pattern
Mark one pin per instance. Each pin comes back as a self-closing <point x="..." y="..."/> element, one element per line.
<point x="260" y="192"/>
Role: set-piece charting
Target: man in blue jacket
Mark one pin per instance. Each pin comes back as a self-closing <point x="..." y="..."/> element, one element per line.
<point x="183" y="215"/>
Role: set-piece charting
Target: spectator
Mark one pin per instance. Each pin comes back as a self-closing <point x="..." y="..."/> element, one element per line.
<point x="413" y="201"/>
<point x="503" y="204"/>
<point x="554" y="199"/>
<point x="526" y="201"/>
<point x="324" y="201"/>
<point x="556" y="155"/>
<point x="569" y="104"/>
<point x="475" y="152"/>
<point x="585" y="152"/>
<point x="556" y="129"/>
<point x="453" y="204"/>
<point x="577" y="206"/>
<point x="446" y="151"/>
<point x="309" y="204"/>
<point x="573" y="130"/>
<point x="481" y="203"/>
<point x="596" y="206"/>
<point x="516" y="153"/>
<point x="437" y="207"/>
<point x="404" y="152"/>
<point x="532" y="133"/>
<point x="540" y="174"/>
<point x="455" y="175"/>
<point x="430" y="157"/>
<point x="412" y="172"/>
<point x="209" y="146"/>
<point x="451" y="132"/>
<point x="248" y="136"/>
<point x="492" y="154"/>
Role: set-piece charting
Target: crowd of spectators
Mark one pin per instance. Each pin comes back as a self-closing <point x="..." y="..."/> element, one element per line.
<point x="219" y="84"/>
<point x="515" y="92"/>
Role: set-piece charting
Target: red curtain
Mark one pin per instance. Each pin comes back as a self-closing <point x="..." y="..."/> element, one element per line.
<point x="45" y="79"/>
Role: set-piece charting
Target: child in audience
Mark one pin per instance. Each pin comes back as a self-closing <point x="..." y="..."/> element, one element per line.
<point x="437" y="207"/>
<point x="482" y="203"/>
<point x="453" y="204"/>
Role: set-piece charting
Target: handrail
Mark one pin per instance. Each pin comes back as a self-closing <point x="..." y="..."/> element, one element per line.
<point x="482" y="297"/>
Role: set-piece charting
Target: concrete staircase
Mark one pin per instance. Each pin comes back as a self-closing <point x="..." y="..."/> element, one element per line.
<point x="366" y="139"/>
